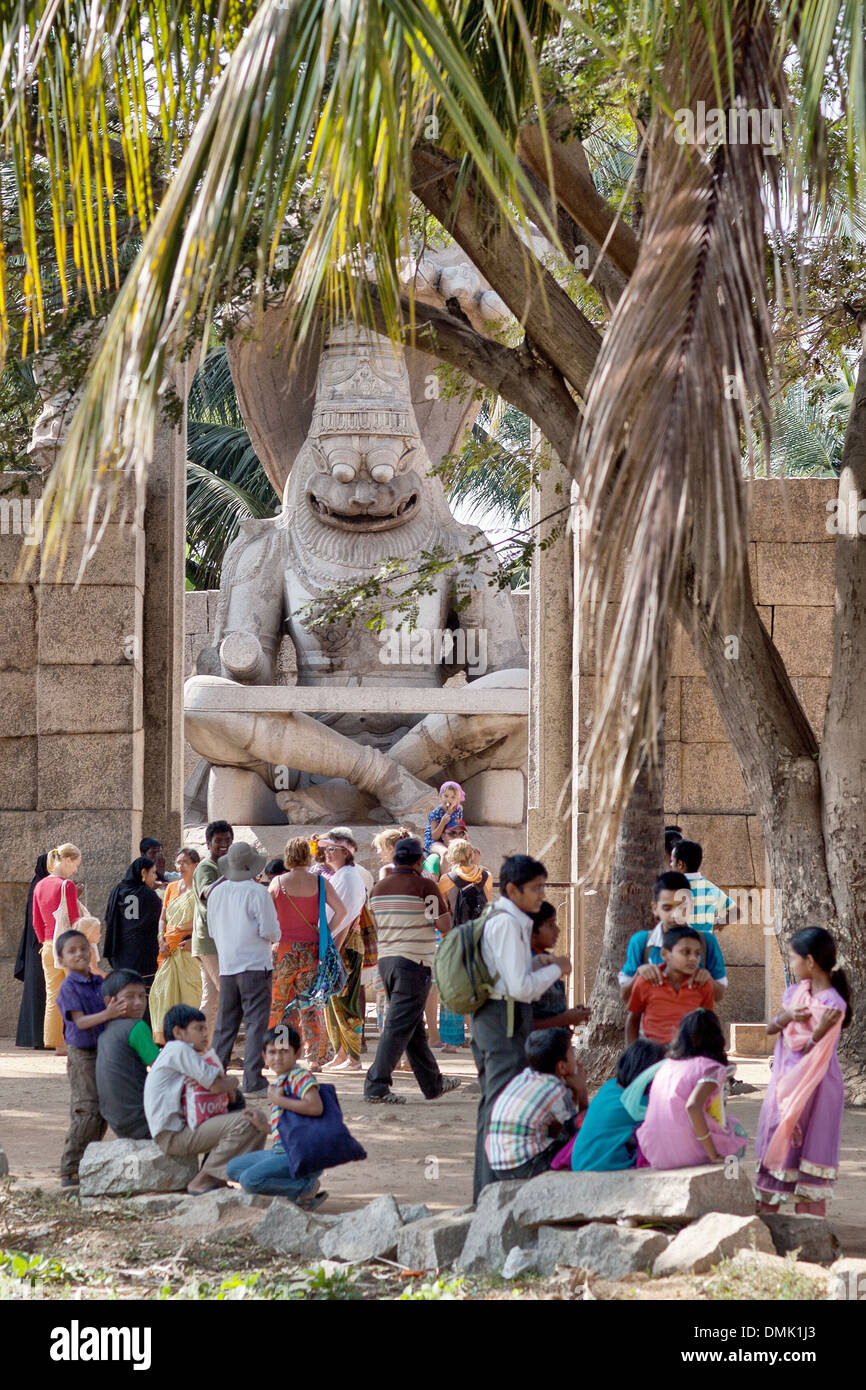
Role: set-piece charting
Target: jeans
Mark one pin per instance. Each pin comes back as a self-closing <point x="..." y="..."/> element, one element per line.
<point x="246" y="997"/>
<point x="498" y="1059"/>
<point x="407" y="985"/>
<point x="268" y="1174"/>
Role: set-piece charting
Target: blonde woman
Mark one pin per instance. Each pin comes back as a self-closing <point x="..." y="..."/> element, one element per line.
<point x="384" y="843"/>
<point x="467" y="889"/>
<point x="55" y="906"/>
<point x="296" y="956"/>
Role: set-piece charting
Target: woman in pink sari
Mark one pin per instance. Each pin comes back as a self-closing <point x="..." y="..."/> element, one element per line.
<point x="800" y="1127"/>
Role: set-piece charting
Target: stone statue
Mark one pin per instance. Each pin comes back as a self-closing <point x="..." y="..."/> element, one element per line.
<point x="358" y="493"/>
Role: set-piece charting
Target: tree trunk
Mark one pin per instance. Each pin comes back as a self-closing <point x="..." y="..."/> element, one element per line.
<point x="842" y="761"/>
<point x="636" y="865"/>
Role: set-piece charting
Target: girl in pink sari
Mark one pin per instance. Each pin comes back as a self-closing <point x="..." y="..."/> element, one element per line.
<point x="800" y="1127"/>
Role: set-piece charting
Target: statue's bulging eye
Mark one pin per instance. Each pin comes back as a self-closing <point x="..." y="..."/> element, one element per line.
<point x="382" y="472"/>
<point x="343" y="472"/>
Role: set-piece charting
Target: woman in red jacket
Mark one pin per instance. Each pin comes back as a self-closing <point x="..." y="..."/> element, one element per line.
<point x="63" y="864"/>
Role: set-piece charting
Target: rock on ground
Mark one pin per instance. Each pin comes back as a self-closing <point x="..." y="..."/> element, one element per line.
<point x="365" y="1234"/>
<point x="712" y="1238"/>
<point x="494" y="1231"/>
<point x="223" y="1215"/>
<point x="433" y="1243"/>
<point x="678" y="1196"/>
<point x="126" y="1166"/>
<point x="608" y="1252"/>
<point x="810" y="1236"/>
<point x="519" y="1262"/>
<point x="289" y="1230"/>
<point x="413" y="1211"/>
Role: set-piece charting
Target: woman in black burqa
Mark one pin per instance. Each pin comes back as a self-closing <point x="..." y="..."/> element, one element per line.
<point x="28" y="969"/>
<point x="132" y="921"/>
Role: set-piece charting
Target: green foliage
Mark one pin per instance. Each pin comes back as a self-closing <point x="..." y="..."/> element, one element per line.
<point x="315" y="1284"/>
<point x="739" y="1279"/>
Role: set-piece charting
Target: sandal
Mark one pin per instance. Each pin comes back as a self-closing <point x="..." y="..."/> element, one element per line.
<point x="388" y="1099"/>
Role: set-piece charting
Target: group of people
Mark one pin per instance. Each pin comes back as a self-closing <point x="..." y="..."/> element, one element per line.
<point x="288" y="948"/>
<point x="666" y="1105"/>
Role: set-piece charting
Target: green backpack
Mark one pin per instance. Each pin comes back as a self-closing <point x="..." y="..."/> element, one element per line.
<point x="460" y="975"/>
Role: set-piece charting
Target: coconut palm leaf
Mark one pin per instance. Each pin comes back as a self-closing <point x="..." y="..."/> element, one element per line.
<point x="218" y="503"/>
<point x="318" y="104"/>
<point x="680" y="370"/>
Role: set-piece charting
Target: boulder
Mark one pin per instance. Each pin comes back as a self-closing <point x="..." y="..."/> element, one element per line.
<point x="608" y="1252"/>
<point x="848" y="1279"/>
<point x="127" y="1166"/>
<point x="433" y="1243"/>
<point x="413" y="1211"/>
<point x="519" y="1262"/>
<point x="289" y="1230"/>
<point x="222" y="1215"/>
<point x="493" y="1230"/>
<point x="365" y="1234"/>
<point x="711" y="1239"/>
<point x="676" y="1196"/>
<point x="809" y="1236"/>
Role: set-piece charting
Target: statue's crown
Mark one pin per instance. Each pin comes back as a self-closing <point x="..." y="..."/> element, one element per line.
<point x="362" y="387"/>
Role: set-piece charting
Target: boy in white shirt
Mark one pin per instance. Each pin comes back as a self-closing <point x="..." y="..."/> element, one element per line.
<point x="223" y="1136"/>
<point x="520" y="979"/>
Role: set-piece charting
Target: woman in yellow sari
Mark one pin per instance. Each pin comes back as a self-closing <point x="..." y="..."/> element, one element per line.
<point x="178" y="979"/>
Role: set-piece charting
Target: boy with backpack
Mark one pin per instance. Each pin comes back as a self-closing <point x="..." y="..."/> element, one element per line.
<point x="408" y="909"/>
<point x="489" y="971"/>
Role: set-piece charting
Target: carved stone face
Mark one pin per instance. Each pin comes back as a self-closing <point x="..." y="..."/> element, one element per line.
<point x="364" y="481"/>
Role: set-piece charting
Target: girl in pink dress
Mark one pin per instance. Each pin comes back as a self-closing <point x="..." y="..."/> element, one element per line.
<point x="800" y="1127"/>
<point x="685" y="1124"/>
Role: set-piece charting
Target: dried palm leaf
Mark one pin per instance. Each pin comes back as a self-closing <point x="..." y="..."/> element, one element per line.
<point x="682" y="369"/>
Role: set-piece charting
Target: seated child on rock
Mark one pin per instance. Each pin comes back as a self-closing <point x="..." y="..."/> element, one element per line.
<point x="295" y="1089"/>
<point x="124" y="1052"/>
<point x="606" y="1141"/>
<point x="656" y="1008"/>
<point x="551" y="1010"/>
<point x="186" y="1057"/>
<point x="686" y="1124"/>
<point x="671" y="905"/>
<point x="538" y="1111"/>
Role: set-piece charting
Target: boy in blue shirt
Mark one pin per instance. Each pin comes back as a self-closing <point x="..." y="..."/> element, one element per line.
<point x="671" y="905"/>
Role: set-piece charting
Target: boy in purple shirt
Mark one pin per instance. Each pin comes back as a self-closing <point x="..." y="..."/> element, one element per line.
<point x="84" y="1014"/>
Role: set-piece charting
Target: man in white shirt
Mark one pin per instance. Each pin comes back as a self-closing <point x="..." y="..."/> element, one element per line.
<point x="243" y="924"/>
<point x="507" y="952"/>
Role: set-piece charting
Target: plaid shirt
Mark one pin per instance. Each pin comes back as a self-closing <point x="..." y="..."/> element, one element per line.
<point x="522" y="1114"/>
<point x="708" y="902"/>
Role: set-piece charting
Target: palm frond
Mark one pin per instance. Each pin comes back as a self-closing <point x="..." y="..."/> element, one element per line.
<point x="681" y="368"/>
<point x="318" y="103"/>
<point x="218" y="503"/>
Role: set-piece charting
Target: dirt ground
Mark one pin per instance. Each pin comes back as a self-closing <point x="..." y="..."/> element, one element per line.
<point x="420" y="1152"/>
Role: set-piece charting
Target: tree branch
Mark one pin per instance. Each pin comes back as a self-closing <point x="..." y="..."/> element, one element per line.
<point x="517" y="374"/>
<point x="575" y="190"/>
<point x="562" y="333"/>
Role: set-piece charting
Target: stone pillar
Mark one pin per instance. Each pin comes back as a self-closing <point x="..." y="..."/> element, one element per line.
<point x="550" y="704"/>
<point x="72" y="745"/>
<point x="163" y="665"/>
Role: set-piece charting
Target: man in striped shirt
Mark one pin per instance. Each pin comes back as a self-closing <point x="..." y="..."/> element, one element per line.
<point x="711" y="908"/>
<point x="408" y="910"/>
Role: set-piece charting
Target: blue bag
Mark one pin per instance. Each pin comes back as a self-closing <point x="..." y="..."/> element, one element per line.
<point x="331" y="975"/>
<point x="315" y="1142"/>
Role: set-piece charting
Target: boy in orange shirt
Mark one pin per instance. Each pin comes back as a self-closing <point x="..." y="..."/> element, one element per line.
<point x="656" y="1010"/>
